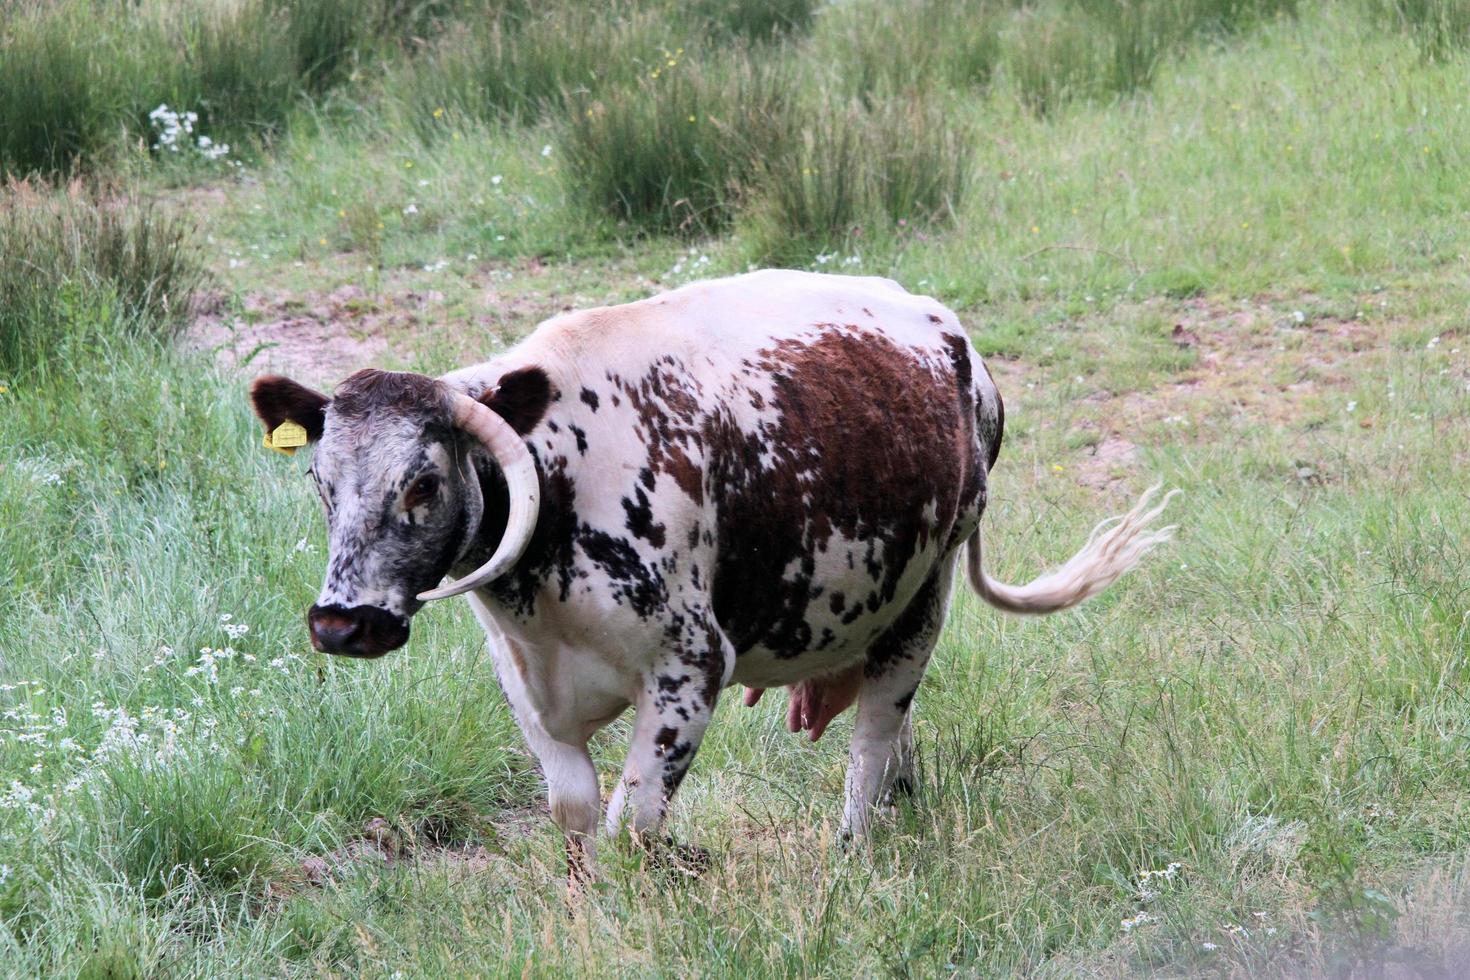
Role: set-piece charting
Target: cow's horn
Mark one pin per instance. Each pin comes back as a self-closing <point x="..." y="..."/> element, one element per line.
<point x="515" y="462"/>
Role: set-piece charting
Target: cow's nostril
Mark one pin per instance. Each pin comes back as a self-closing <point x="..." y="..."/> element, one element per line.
<point x="331" y="632"/>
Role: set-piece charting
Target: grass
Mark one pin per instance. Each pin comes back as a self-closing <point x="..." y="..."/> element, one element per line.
<point x="78" y="266"/>
<point x="1275" y="703"/>
<point x="680" y="150"/>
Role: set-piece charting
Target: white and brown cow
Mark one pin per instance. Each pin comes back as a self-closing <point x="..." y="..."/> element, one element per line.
<point x="764" y="480"/>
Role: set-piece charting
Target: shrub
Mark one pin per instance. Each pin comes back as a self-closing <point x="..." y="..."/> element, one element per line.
<point x="518" y="68"/>
<point x="753" y="20"/>
<point x="857" y="175"/>
<point x="239" y="71"/>
<point x="909" y="48"/>
<point x="677" y="150"/>
<point x="59" y="100"/>
<point x="1059" y="52"/>
<point x="69" y="256"/>
<point x="1439" y="27"/>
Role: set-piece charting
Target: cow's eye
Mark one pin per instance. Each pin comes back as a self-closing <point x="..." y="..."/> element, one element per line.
<point x="424" y="489"/>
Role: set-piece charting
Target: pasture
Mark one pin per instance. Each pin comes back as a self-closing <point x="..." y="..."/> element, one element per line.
<point x="1220" y="244"/>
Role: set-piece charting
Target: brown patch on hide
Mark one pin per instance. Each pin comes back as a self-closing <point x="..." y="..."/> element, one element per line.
<point x="667" y="401"/>
<point x="864" y="442"/>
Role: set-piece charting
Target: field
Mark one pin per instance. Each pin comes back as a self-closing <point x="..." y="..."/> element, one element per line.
<point x="1220" y="244"/>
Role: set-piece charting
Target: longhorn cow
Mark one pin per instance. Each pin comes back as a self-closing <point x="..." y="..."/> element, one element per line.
<point x="764" y="480"/>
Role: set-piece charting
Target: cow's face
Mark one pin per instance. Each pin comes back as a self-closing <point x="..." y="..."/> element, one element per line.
<point x="402" y="494"/>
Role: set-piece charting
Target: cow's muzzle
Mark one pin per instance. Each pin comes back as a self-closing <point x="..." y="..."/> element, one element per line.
<point x="361" y="631"/>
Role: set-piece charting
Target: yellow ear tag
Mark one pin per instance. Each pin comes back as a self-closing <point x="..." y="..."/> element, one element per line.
<point x="285" y="438"/>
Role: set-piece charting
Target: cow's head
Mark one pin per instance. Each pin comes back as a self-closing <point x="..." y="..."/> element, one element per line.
<point x="414" y="477"/>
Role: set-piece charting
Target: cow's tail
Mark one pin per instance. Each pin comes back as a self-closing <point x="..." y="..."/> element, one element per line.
<point x="1113" y="548"/>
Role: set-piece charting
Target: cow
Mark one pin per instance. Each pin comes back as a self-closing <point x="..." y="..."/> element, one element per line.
<point x="763" y="480"/>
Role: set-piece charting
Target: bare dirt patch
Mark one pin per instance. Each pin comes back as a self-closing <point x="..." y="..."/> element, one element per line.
<point x="321" y="336"/>
<point x="318" y="340"/>
<point x="1110" y="462"/>
<point x="382" y="846"/>
<point x="1263" y="363"/>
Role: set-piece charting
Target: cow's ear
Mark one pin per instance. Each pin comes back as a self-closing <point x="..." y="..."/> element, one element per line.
<point x="521" y="398"/>
<point x="277" y="399"/>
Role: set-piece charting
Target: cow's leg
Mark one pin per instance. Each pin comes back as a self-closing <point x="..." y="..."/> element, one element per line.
<point x="674" y="706"/>
<point x="895" y="664"/>
<point x="905" y="773"/>
<point x="571" y="779"/>
<point x="572" y="793"/>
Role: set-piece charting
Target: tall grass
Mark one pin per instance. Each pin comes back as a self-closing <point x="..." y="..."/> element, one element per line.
<point x="1440" y="27"/>
<point x="855" y="178"/>
<point x="1059" y="51"/>
<point x="751" y="20"/>
<point x="238" y="70"/>
<point x="78" y="78"/>
<point x="678" y="149"/>
<point x="74" y="257"/>
<point x="520" y="67"/>
<point x="62" y="99"/>
<point x="909" y="49"/>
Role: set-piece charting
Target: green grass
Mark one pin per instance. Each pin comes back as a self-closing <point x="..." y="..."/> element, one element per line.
<point x="78" y="267"/>
<point x="1275" y="702"/>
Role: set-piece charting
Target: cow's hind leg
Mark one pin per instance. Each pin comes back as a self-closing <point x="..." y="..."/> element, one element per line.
<point x="674" y="706"/>
<point x="882" y="751"/>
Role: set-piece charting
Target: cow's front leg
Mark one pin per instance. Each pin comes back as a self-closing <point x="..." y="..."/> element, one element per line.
<point x="674" y="705"/>
<point x="571" y="791"/>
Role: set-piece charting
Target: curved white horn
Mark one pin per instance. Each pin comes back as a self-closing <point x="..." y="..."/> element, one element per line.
<point x="515" y="462"/>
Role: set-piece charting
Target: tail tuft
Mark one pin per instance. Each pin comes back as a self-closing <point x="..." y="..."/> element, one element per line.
<point x="1114" y="547"/>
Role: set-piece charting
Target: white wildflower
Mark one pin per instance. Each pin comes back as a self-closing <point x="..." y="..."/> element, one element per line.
<point x="1133" y="922"/>
<point x="18" y="796"/>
